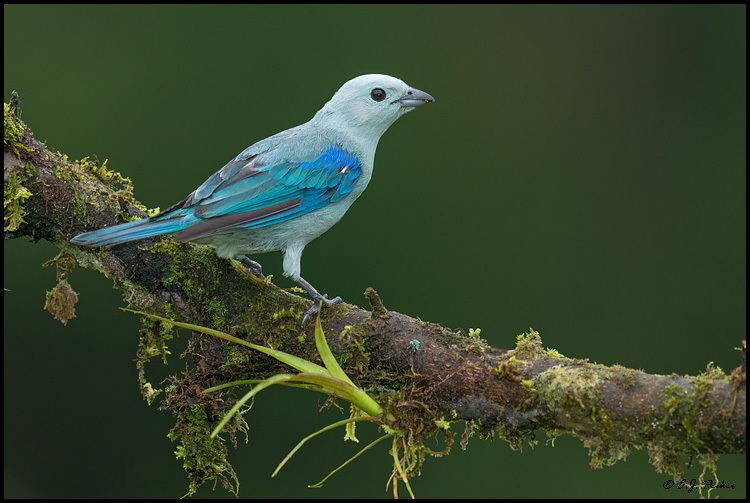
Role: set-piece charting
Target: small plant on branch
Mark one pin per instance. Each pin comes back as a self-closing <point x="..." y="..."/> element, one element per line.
<point x="406" y="452"/>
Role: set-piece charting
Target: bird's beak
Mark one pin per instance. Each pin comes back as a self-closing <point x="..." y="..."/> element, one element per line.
<point x="414" y="98"/>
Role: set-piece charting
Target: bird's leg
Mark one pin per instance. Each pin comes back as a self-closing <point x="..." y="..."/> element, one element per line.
<point x="316" y="297"/>
<point x="252" y="266"/>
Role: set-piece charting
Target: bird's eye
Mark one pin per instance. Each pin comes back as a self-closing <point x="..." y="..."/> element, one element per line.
<point x="377" y="94"/>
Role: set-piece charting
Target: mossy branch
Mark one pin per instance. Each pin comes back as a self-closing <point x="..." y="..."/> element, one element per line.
<point x="430" y="375"/>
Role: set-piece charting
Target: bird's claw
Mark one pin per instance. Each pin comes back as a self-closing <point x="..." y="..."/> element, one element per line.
<point x="252" y="266"/>
<point x="316" y="306"/>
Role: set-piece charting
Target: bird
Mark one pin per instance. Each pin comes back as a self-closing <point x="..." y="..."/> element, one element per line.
<point x="284" y="191"/>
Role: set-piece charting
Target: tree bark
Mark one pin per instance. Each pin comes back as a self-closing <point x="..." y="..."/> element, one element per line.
<point x="425" y="372"/>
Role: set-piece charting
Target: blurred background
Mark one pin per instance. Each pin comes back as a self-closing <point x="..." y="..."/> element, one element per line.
<point x="582" y="173"/>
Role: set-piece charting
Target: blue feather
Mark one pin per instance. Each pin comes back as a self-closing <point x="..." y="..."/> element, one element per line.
<point x="239" y="188"/>
<point x="130" y="231"/>
<point x="286" y="181"/>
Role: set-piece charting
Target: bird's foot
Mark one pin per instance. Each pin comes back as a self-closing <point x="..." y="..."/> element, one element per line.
<point x="316" y="306"/>
<point x="252" y="266"/>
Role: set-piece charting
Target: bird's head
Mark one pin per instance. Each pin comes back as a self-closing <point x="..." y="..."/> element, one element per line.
<point x="371" y="103"/>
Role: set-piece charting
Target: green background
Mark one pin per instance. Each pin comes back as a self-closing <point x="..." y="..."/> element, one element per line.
<point x="582" y="173"/>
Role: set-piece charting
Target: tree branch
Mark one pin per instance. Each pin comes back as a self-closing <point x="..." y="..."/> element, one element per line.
<point x="425" y="372"/>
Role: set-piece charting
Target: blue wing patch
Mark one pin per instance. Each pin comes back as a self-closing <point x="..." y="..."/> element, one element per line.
<point x="247" y="194"/>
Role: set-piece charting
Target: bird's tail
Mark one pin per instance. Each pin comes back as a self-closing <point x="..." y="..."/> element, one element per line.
<point x="131" y="231"/>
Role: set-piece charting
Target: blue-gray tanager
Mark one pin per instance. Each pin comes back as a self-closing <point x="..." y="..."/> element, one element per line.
<point x="286" y="190"/>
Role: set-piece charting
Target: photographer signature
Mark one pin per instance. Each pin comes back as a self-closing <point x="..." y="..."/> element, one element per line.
<point x="691" y="484"/>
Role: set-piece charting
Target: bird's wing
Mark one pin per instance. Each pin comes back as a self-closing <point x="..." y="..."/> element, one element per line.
<point x="250" y="192"/>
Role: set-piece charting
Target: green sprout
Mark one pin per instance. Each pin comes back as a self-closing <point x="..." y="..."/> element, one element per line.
<point x="331" y="380"/>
